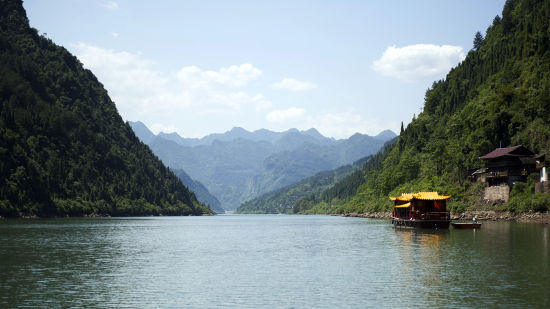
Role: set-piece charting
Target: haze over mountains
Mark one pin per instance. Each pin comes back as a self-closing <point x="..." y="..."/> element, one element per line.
<point x="239" y="165"/>
<point x="201" y="192"/>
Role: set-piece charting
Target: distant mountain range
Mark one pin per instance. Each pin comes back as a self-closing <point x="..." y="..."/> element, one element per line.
<point x="239" y="165"/>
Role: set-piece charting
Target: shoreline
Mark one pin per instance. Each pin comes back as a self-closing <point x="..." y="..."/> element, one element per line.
<point x="94" y="215"/>
<point x="481" y="215"/>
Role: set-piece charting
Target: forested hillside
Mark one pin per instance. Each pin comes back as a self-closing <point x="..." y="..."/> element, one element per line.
<point x="499" y="95"/>
<point x="64" y="149"/>
<point x="284" y="200"/>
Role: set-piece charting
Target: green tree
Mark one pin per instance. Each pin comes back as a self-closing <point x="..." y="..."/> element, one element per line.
<point x="64" y="149"/>
<point x="478" y="40"/>
<point x="498" y="93"/>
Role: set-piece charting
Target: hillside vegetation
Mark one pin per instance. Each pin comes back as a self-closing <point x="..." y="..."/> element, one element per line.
<point x="64" y="149"/>
<point x="499" y="95"/>
<point x="284" y="200"/>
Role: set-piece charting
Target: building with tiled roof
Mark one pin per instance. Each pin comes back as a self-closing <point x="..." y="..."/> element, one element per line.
<point x="508" y="165"/>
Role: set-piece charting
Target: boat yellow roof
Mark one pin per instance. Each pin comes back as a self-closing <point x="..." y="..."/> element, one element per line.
<point x="428" y="196"/>
<point x="404" y="197"/>
<point x="404" y="205"/>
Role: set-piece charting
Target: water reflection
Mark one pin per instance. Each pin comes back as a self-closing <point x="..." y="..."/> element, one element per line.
<point x="269" y="261"/>
<point x="45" y="261"/>
<point x="421" y="252"/>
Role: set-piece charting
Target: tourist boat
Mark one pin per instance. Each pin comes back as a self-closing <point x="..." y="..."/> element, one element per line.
<point x="466" y="225"/>
<point x="421" y="210"/>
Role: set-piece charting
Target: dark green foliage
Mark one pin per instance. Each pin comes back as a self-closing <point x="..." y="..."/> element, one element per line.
<point x="478" y="40"/>
<point x="523" y="198"/>
<point x="64" y="149"/>
<point x="496" y="20"/>
<point x="499" y="95"/>
<point x="331" y="199"/>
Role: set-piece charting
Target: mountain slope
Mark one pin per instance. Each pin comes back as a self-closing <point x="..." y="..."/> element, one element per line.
<point x="64" y="149"/>
<point x="239" y="165"/>
<point x="141" y="131"/>
<point x="284" y="200"/>
<point x="202" y="193"/>
<point x="499" y="95"/>
<point x="225" y="168"/>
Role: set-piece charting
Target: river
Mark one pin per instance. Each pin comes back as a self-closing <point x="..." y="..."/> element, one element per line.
<point x="269" y="261"/>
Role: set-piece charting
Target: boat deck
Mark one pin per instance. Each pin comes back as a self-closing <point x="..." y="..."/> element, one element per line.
<point x="424" y="224"/>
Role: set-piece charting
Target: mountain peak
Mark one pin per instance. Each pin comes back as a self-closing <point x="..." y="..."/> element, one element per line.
<point x="172" y="134"/>
<point x="238" y="130"/>
<point x="385" y="135"/>
<point x="314" y="133"/>
<point x="142" y="132"/>
<point x="357" y="135"/>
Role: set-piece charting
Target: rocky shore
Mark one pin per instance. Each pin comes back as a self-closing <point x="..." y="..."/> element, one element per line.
<point x="489" y="215"/>
<point x="481" y="215"/>
<point x="374" y="215"/>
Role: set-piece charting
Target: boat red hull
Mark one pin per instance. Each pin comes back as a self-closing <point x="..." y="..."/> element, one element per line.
<point x="423" y="224"/>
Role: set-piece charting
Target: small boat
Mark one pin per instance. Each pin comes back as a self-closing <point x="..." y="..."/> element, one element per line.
<point x="466" y="225"/>
<point x="426" y="210"/>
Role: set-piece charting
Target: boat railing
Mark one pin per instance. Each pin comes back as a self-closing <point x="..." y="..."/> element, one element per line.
<point x="438" y="215"/>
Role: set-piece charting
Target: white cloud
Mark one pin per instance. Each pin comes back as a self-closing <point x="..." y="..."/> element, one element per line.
<point x="156" y="128"/>
<point x="285" y="115"/>
<point x="420" y="61"/>
<point x="343" y="124"/>
<point x="339" y="124"/>
<point x="193" y="101"/>
<point x="95" y="56"/>
<point x="114" y="34"/>
<point x="120" y="71"/>
<point x="294" y="85"/>
<point x="140" y="91"/>
<point x="111" y="5"/>
<point x="233" y="76"/>
<point x="262" y="103"/>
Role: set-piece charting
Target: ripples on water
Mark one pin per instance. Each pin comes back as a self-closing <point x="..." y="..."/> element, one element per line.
<point x="240" y="261"/>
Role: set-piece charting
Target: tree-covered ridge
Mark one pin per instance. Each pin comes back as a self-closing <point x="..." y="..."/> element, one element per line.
<point x="499" y="95"/>
<point x="284" y="200"/>
<point x="64" y="149"/>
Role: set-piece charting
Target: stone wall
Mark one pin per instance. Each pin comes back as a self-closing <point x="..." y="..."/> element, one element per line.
<point x="542" y="187"/>
<point x="497" y="193"/>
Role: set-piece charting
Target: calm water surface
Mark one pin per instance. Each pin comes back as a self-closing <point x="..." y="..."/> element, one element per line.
<point x="271" y="261"/>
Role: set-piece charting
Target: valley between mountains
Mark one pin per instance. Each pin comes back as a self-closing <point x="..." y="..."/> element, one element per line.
<point x="225" y="170"/>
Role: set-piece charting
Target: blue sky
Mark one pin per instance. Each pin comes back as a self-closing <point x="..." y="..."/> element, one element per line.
<point x="200" y="67"/>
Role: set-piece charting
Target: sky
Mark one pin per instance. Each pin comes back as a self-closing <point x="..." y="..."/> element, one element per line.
<point x="201" y="67"/>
